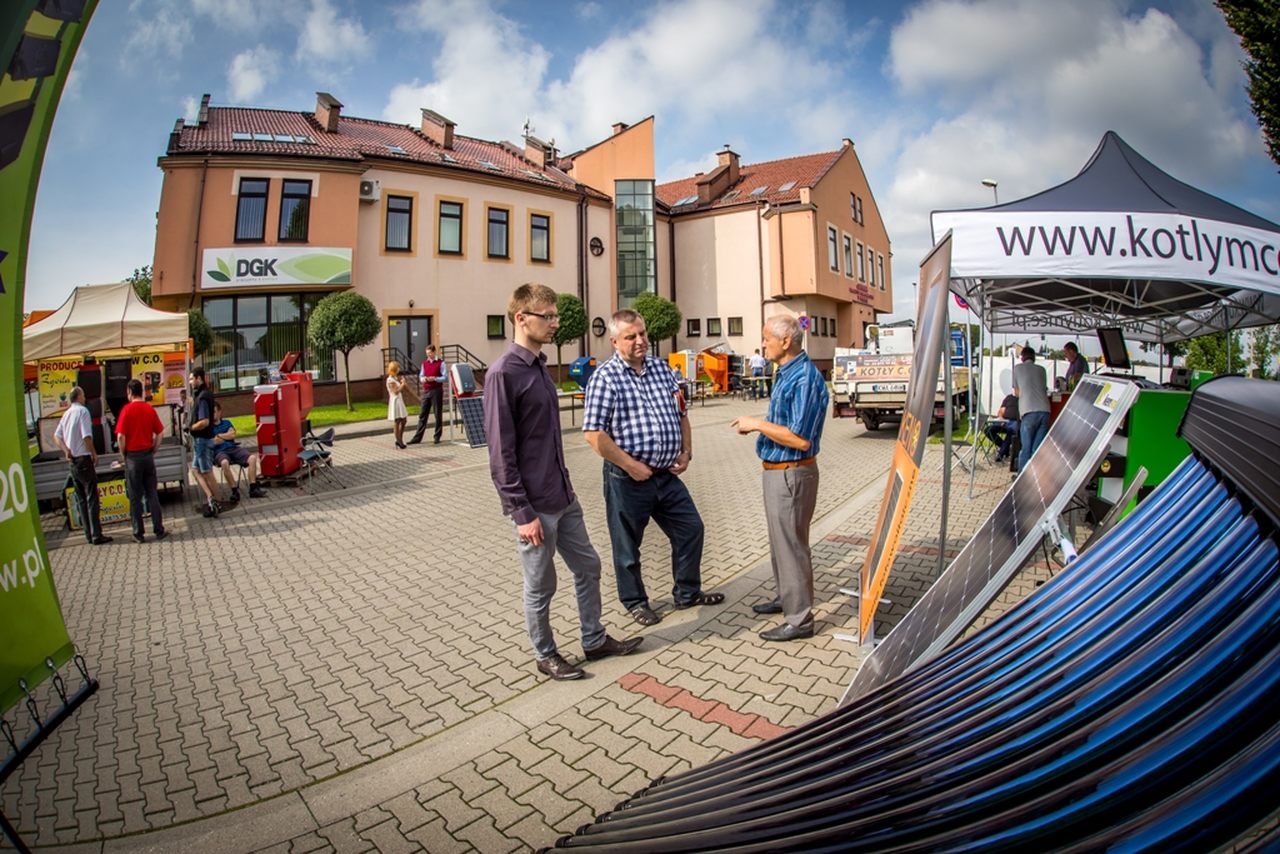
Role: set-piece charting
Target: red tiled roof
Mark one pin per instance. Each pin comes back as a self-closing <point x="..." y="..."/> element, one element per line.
<point x="356" y="140"/>
<point x="805" y="170"/>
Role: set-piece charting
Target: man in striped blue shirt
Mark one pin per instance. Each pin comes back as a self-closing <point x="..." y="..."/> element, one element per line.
<point x="790" y="434"/>
<point x="635" y="419"/>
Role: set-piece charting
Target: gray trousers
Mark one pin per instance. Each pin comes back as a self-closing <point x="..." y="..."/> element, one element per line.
<point x="564" y="533"/>
<point x="790" y="496"/>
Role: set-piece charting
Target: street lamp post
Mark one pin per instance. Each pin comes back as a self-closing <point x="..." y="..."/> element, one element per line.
<point x="992" y="183"/>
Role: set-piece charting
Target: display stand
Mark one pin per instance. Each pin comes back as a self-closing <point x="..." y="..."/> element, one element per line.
<point x="43" y="728"/>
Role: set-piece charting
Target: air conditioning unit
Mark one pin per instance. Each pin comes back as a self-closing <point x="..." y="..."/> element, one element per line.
<point x="370" y="190"/>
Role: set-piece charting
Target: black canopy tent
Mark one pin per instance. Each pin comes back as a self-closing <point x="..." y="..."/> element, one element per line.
<point x="1123" y="244"/>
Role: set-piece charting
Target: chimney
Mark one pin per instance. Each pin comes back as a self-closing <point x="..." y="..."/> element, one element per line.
<point x="536" y="151"/>
<point x="328" y="108"/>
<point x="175" y="135"/>
<point x="729" y="158"/>
<point x="619" y="127"/>
<point x="846" y="143"/>
<point x="437" y="128"/>
<point x="203" y="116"/>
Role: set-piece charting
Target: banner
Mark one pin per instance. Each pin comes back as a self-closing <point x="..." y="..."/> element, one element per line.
<point x="56" y="377"/>
<point x="31" y="626"/>
<point x="236" y="267"/>
<point x="113" y="504"/>
<point x="935" y="274"/>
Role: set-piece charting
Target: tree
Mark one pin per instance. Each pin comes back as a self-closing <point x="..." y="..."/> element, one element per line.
<point x="1209" y="353"/>
<point x="1257" y="23"/>
<point x="661" y="317"/>
<point x="1172" y="349"/>
<point x="573" y="322"/>
<point x="141" y="281"/>
<point x="1264" y="346"/>
<point x="343" y="322"/>
<point x="200" y="332"/>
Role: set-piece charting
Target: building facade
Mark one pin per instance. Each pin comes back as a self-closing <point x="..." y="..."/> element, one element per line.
<point x="264" y="212"/>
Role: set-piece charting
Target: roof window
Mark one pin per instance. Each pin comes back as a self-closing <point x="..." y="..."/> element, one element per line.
<point x="395" y="149"/>
<point x="241" y="136"/>
<point x="730" y="196"/>
<point x="488" y="164"/>
<point x="263" y="137"/>
<point x="686" y="200"/>
<point x="786" y="186"/>
<point x="448" y="158"/>
<point x="758" y="190"/>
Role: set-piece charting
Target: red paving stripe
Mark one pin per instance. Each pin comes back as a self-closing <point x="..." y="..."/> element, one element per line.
<point x="711" y="711"/>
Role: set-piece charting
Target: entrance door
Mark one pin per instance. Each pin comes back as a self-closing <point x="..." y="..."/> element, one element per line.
<point x="410" y="335"/>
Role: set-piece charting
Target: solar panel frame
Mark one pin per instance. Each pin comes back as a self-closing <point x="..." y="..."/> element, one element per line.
<point x="1070" y="453"/>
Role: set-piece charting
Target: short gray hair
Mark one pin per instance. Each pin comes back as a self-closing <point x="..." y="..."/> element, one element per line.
<point x="76" y="394"/>
<point x="621" y="316"/>
<point x="784" y="326"/>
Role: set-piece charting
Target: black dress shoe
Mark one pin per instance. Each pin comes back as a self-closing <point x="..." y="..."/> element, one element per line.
<point x="771" y="607"/>
<point x="612" y="647"/>
<point x="138" y="538"/>
<point x="559" y="669"/>
<point x="100" y="540"/>
<point x="160" y="535"/>
<point x="413" y="441"/>
<point x="786" y="632"/>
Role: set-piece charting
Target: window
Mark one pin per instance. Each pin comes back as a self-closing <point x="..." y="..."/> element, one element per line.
<point x="855" y="207"/>
<point x="833" y="257"/>
<point x="871" y="266"/>
<point x="713" y="326"/>
<point x="399" y="224"/>
<point x="735" y="326"/>
<point x="693" y="327"/>
<point x="862" y="265"/>
<point x="295" y="210"/>
<point x="251" y="210"/>
<point x="832" y="327"/>
<point x="450" y="230"/>
<point x="496" y="325"/>
<point x="496" y="242"/>
<point x="858" y="199"/>
<point x="848" y="256"/>
<point x="540" y="237"/>
<point x="634" y="240"/>
<point x="880" y="269"/>
<point x="252" y="333"/>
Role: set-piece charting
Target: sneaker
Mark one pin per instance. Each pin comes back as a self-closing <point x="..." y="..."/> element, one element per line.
<point x="235" y="493"/>
<point x="558" y="669"/>
<point x="211" y="509"/>
<point x="256" y="491"/>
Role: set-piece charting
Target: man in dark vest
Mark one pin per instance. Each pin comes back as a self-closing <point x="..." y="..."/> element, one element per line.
<point x="431" y="378"/>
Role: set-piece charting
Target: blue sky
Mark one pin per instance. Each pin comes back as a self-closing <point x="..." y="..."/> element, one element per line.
<point x="937" y="95"/>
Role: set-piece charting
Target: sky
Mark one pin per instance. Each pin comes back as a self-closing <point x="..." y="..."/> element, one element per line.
<point x="936" y="95"/>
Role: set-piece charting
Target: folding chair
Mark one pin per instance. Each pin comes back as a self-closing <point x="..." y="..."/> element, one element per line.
<point x="317" y="458"/>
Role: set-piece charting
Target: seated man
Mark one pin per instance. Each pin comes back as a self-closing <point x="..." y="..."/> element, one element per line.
<point x="1002" y="433"/>
<point x="227" y="452"/>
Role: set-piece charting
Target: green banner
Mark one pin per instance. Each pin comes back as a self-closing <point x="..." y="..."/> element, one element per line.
<point x="39" y="40"/>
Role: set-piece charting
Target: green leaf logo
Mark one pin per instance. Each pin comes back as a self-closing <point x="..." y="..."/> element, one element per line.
<point x="217" y="275"/>
<point x="317" y="267"/>
<point x="225" y="270"/>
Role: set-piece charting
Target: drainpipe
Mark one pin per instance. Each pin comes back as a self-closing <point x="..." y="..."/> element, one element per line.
<point x="195" y="247"/>
<point x="760" y="206"/>
<point x="782" y="259"/>
<point x="584" y="292"/>
<point x="671" y="252"/>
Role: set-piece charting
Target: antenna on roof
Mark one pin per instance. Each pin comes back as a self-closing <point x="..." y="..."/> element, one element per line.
<point x="528" y="128"/>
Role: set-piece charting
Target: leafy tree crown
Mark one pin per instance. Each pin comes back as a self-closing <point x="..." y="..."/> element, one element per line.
<point x="343" y="322"/>
<point x="573" y="319"/>
<point x="661" y="316"/>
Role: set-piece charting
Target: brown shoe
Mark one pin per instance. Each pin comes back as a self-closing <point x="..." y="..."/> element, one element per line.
<point x="558" y="669"/>
<point x="612" y="647"/>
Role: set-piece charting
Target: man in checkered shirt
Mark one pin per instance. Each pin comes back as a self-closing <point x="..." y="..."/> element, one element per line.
<point x="634" y="417"/>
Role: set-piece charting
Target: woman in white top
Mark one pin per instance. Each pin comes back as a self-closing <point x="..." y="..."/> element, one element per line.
<point x="395" y="402"/>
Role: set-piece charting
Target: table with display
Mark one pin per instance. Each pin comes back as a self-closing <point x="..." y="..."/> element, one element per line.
<point x="51" y="476"/>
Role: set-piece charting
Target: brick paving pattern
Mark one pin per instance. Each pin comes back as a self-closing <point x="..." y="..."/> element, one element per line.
<point x="350" y="671"/>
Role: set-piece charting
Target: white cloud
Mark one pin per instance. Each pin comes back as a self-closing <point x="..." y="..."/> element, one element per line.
<point x="487" y="74"/>
<point x="326" y="39"/>
<point x="589" y="11"/>
<point x="249" y="73"/>
<point x="161" y="28"/>
<point x="190" y="108"/>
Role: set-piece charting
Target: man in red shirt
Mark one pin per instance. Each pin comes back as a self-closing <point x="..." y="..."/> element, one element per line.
<point x="138" y="433"/>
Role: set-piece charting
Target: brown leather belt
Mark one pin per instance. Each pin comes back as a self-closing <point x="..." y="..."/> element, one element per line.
<point x="789" y="464"/>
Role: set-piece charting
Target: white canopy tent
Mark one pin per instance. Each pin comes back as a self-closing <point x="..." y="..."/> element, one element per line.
<point x="1121" y="244"/>
<point x="104" y="320"/>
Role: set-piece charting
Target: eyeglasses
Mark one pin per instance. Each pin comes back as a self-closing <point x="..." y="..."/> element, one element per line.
<point x="549" y="318"/>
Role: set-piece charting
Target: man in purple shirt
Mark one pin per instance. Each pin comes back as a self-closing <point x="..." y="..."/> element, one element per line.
<point x="526" y="460"/>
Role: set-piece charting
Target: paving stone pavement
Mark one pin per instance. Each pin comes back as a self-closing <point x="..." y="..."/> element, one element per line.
<point x="349" y="671"/>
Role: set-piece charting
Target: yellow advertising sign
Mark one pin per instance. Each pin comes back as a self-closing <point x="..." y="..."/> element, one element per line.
<point x="112" y="499"/>
<point x="935" y="275"/>
<point x="56" y="378"/>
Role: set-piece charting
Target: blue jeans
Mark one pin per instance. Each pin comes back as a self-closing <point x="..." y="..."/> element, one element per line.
<point x="629" y="505"/>
<point x="564" y="533"/>
<point x="1035" y="425"/>
<point x="202" y="454"/>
